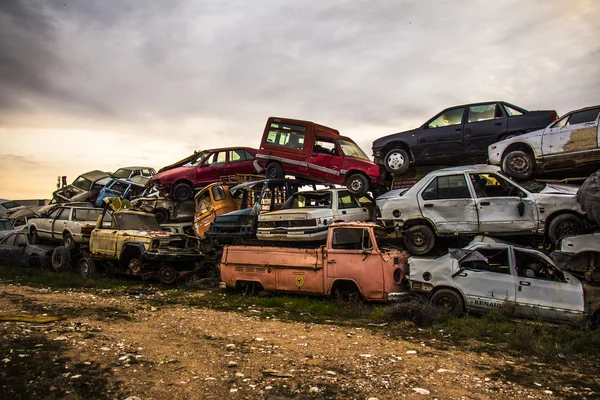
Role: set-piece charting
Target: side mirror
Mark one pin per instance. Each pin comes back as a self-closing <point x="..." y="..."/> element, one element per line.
<point x="521" y="208"/>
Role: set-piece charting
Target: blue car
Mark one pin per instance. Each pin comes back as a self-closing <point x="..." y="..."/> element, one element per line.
<point x="122" y="188"/>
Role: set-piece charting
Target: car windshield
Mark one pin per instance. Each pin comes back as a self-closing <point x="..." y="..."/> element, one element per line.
<point x="351" y="149"/>
<point x="122" y="173"/>
<point x="82" y="183"/>
<point x="194" y="162"/>
<point x="308" y="200"/>
<point x="5" y="226"/>
<point x="140" y="222"/>
<point x="119" y="187"/>
<point x="10" y="204"/>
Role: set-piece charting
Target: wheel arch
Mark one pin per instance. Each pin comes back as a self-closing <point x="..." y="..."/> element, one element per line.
<point x="451" y="288"/>
<point x="397" y="144"/>
<point x="183" y="180"/>
<point x="555" y="214"/>
<point x="518" y="146"/>
<point x="129" y="251"/>
<point x="420" y="221"/>
<point x="341" y="282"/>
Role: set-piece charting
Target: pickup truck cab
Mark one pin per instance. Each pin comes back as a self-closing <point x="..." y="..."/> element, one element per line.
<point x="317" y="153"/>
<point x="351" y="262"/>
<point x="212" y="201"/>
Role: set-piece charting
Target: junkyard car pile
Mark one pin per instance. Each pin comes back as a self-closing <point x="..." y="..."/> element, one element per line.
<point x="279" y="232"/>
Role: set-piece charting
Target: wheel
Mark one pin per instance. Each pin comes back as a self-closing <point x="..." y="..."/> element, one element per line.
<point x="564" y="225"/>
<point x="448" y="301"/>
<point x="167" y="274"/>
<point x="35" y="238"/>
<point x="34" y="261"/>
<point x="87" y="267"/>
<point x="518" y="164"/>
<point x="274" y="171"/>
<point x="419" y="239"/>
<point x="161" y="215"/>
<point x="357" y="184"/>
<point x="135" y="265"/>
<point x="397" y="161"/>
<point x="61" y="259"/>
<point x="69" y="242"/>
<point x="182" y="192"/>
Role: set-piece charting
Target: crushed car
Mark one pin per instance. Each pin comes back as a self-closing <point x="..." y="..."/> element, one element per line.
<point x="472" y="200"/>
<point x="183" y="178"/>
<point x="18" y="249"/>
<point x="580" y="255"/>
<point x="133" y="243"/>
<point x="69" y="223"/>
<point x="572" y="141"/>
<point x="85" y="187"/>
<point x="350" y="263"/>
<point x="489" y="274"/>
<point x="165" y="209"/>
<point x="306" y="216"/>
<point x="212" y="201"/>
<point x="123" y="188"/>
<point x="458" y="135"/>
<point x="316" y="153"/>
<point x="8" y="207"/>
<point x="5" y="227"/>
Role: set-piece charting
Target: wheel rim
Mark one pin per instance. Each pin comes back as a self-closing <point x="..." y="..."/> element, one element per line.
<point x="167" y="274"/>
<point x="68" y="241"/>
<point x="183" y="192"/>
<point x="273" y="173"/>
<point x="446" y="303"/>
<point x="396" y="160"/>
<point x="356" y="185"/>
<point x="418" y="239"/>
<point x="85" y="268"/>
<point x="135" y="265"/>
<point x="568" y="228"/>
<point x="519" y="164"/>
<point x="56" y="259"/>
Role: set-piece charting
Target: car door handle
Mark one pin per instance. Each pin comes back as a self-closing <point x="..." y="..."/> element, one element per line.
<point x="525" y="283"/>
<point x="428" y="206"/>
<point x="330" y="261"/>
<point x="498" y="123"/>
<point x="485" y="203"/>
<point x="343" y="212"/>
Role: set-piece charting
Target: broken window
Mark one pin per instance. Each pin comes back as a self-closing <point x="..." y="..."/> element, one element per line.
<point x="448" y="118"/>
<point x="218" y="193"/>
<point x="309" y="200"/>
<point x="287" y="135"/>
<point x="497" y="261"/>
<point x="351" y="239"/>
<point x="530" y="265"/>
<point x="492" y="185"/>
<point x="484" y="112"/>
<point x="64" y="214"/>
<point x="216" y="159"/>
<point x="325" y="146"/>
<point x="447" y="187"/>
<point x="54" y="213"/>
<point x="346" y="201"/>
<point x="82" y="183"/>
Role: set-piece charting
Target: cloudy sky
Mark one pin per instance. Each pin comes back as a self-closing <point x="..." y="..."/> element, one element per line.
<point x="100" y="84"/>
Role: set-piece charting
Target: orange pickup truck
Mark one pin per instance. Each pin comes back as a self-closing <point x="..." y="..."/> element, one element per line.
<point x="351" y="262"/>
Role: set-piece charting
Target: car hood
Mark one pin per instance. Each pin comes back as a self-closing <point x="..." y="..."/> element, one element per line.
<point x="170" y="174"/>
<point x="392" y="194"/>
<point x="395" y="136"/>
<point x="556" y="188"/>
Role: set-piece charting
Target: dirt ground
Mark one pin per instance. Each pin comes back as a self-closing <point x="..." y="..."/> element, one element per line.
<point x="119" y="346"/>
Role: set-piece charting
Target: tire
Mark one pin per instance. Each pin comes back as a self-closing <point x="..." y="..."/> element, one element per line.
<point x="274" y="171"/>
<point x="69" y="242"/>
<point x="182" y="192"/>
<point x="61" y="259"/>
<point x="167" y="274"/>
<point x="34" y="262"/>
<point x="448" y="301"/>
<point x="87" y="267"/>
<point x="419" y="239"/>
<point x="518" y="164"/>
<point x="135" y="265"/>
<point x="161" y="215"/>
<point x="564" y="225"/>
<point x="397" y="161"/>
<point x="588" y="196"/>
<point x="357" y="185"/>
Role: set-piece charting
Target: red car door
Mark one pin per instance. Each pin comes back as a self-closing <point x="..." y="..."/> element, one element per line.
<point x="240" y="161"/>
<point x="325" y="161"/>
<point x="211" y="169"/>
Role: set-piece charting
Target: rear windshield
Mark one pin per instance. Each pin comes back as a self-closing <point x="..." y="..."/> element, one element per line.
<point x="5" y="226"/>
<point x="137" y="221"/>
<point x="309" y="200"/>
<point x="82" y="183"/>
<point x="286" y="135"/>
<point x="10" y="204"/>
<point x="122" y="173"/>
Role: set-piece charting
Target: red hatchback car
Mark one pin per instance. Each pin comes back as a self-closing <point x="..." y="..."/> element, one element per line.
<point x="316" y="153"/>
<point x="179" y="180"/>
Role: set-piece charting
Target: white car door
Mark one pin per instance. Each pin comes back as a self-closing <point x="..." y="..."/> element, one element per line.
<point x="59" y="225"/>
<point x="574" y="133"/>
<point x="544" y="291"/>
<point x="449" y="204"/>
<point x="487" y="285"/>
<point x="503" y="206"/>
<point x="349" y="209"/>
<point x="44" y="225"/>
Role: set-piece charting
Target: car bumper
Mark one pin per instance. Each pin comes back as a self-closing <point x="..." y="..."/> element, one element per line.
<point x="495" y="155"/>
<point x="398" y="296"/>
<point x="301" y="235"/>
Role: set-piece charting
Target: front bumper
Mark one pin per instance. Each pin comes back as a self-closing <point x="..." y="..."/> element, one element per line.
<point x="293" y="235"/>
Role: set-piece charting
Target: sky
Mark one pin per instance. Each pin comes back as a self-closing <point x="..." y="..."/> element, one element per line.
<point x="102" y="84"/>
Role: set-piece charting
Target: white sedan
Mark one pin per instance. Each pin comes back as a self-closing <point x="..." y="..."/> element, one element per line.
<point x="489" y="274"/>
<point x="474" y="200"/>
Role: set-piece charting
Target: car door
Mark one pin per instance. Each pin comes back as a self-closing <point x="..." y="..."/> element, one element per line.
<point x="349" y="209"/>
<point x="44" y="225"/>
<point x="490" y="284"/>
<point x="211" y="169"/>
<point x="103" y="241"/>
<point x="325" y="160"/>
<point x="502" y="206"/>
<point x="59" y="225"/>
<point x="574" y="133"/>
<point x="20" y="253"/>
<point x="485" y="124"/>
<point x="239" y="161"/>
<point x="7" y="249"/>
<point x="351" y="256"/>
<point x="447" y="202"/>
<point x="544" y="291"/>
<point x="442" y="137"/>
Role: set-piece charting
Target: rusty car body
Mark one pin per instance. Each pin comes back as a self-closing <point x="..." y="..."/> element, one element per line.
<point x="306" y="216"/>
<point x="351" y="262"/>
<point x="572" y="141"/>
<point x="132" y="242"/>
<point x="478" y="199"/>
<point x="17" y="248"/>
<point x="490" y="274"/>
<point x="580" y="255"/>
<point x="123" y="188"/>
<point x="84" y="188"/>
<point x="165" y="209"/>
<point x="212" y="201"/>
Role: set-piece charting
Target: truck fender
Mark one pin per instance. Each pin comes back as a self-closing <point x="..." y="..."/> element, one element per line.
<point x="130" y="248"/>
<point x="348" y="286"/>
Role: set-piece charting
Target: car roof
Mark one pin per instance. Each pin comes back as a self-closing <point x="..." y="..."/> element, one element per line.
<point x="135" y="167"/>
<point x="95" y="175"/>
<point x="582" y="109"/>
<point x="302" y="121"/>
<point x="485" y="102"/>
<point x="468" y="168"/>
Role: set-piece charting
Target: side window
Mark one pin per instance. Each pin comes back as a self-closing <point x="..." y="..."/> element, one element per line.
<point x="351" y="239"/>
<point x="287" y="135"/>
<point x="346" y="201"/>
<point x="325" y="146"/>
<point x="20" y="239"/>
<point x="216" y="159"/>
<point x="249" y="155"/>
<point x="512" y="111"/>
<point x="10" y="240"/>
<point x="218" y="193"/>
<point x="20" y="221"/>
<point x="146" y="172"/>
<point x="561" y="122"/>
<point x="54" y="213"/>
<point x="86" y="214"/>
<point x="447" y="187"/>
<point x="492" y="185"/>
<point x="236" y="155"/>
<point x="448" y="118"/>
<point x="64" y="214"/>
<point x="497" y="261"/>
<point x="107" y="221"/>
<point x="531" y="266"/>
<point x="484" y="112"/>
<point x="582" y="117"/>
<point x="203" y="201"/>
